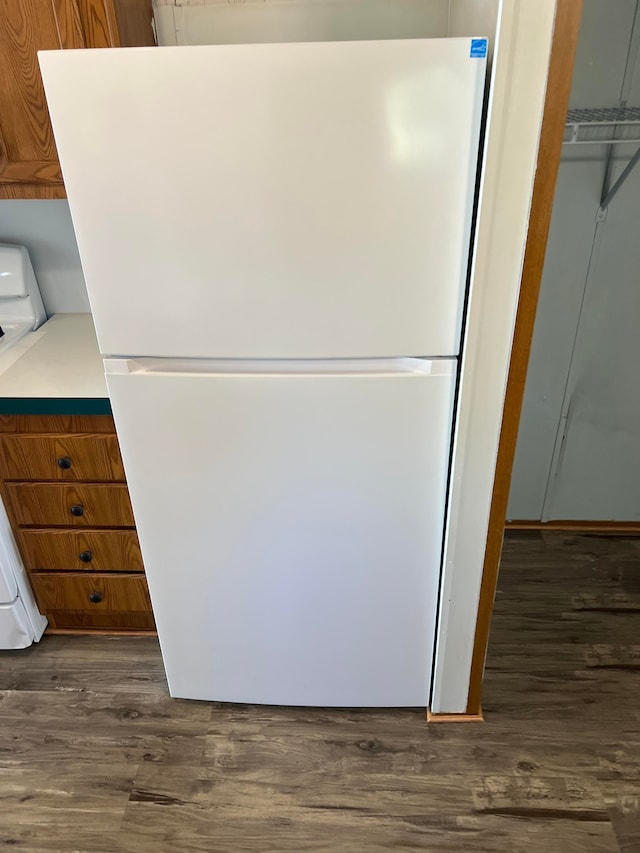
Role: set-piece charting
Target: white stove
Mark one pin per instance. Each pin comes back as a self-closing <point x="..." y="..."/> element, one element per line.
<point x="21" y="312"/>
<point x="21" y="308"/>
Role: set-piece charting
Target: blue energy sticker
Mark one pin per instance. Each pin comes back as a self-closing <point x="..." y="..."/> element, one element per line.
<point x="478" y="48"/>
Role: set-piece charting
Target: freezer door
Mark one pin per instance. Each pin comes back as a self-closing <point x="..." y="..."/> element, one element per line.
<point x="290" y="524"/>
<point x="271" y="200"/>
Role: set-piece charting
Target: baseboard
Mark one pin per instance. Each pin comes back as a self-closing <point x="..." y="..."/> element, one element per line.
<point x="619" y="527"/>
<point x="454" y="718"/>
<point x="99" y="632"/>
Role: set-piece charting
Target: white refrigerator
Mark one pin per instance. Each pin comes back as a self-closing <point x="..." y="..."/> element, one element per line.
<point x="275" y="239"/>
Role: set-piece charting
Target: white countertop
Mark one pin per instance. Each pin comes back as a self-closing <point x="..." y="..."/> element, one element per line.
<point x="59" y="360"/>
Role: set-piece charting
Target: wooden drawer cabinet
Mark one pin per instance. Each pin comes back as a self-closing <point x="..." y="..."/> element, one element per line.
<point x="77" y="538"/>
<point x="61" y="457"/>
<point x="71" y="504"/>
<point x="94" y="600"/>
<point x="82" y="550"/>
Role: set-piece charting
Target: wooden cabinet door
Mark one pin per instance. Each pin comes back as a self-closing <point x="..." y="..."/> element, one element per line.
<point x="29" y="165"/>
<point x="28" y="160"/>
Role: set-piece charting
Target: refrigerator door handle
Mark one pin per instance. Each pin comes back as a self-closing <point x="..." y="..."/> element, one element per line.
<point x="280" y="367"/>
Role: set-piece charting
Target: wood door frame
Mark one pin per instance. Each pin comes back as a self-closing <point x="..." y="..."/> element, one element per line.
<point x="563" y="49"/>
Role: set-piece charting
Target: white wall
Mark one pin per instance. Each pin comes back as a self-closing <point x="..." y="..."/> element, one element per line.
<point x="596" y="468"/>
<point x="474" y="18"/>
<point x="575" y="453"/>
<point x="221" y="22"/>
<point x="45" y="228"/>
<point x="567" y="261"/>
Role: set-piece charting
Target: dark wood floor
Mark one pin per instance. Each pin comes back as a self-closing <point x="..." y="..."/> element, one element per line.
<point x="95" y="757"/>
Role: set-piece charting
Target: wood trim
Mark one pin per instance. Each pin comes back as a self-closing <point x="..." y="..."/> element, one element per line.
<point x="620" y="527"/>
<point x="455" y="718"/>
<point x="563" y="48"/>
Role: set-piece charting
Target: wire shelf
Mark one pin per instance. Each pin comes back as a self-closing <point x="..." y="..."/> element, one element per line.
<point x="604" y="125"/>
<point x="604" y="115"/>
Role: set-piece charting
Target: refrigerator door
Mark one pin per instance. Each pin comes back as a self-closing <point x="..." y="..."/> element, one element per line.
<point x="290" y="518"/>
<point x="272" y="200"/>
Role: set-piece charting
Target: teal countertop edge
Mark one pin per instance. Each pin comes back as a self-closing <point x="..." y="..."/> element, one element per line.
<point x="55" y="406"/>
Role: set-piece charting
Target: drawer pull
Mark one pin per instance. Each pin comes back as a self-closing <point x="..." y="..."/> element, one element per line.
<point x="95" y="597"/>
<point x="77" y="510"/>
<point x="86" y="556"/>
<point x="64" y="462"/>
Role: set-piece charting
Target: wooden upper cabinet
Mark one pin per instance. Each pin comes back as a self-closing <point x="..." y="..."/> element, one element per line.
<point x="29" y="165"/>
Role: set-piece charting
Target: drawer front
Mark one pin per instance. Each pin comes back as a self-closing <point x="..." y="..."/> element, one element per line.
<point x="60" y="457"/>
<point x="94" y="620"/>
<point x="82" y="550"/>
<point x="96" y="593"/>
<point x="77" y="505"/>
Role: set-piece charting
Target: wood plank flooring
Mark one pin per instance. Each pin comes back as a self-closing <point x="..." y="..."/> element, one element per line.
<point x="94" y="756"/>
